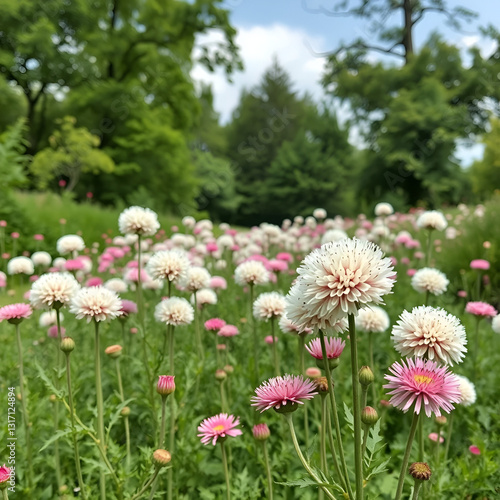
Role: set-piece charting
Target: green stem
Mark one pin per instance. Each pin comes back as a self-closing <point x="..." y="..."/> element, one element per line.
<point x="364" y="395"/>
<point x="122" y="398"/>
<point x="73" y="428"/>
<point x="146" y="485"/>
<point x="268" y="473"/>
<point x="161" y="439"/>
<point x="100" y="407"/>
<point x="275" y="350"/>
<point x="476" y="347"/>
<point x="416" y="490"/>
<point x="223" y="397"/>
<point x="226" y="471"/>
<point x="438" y="444"/>
<point x="336" y="422"/>
<point x="406" y="457"/>
<point x="319" y="482"/>
<point x="358" y="458"/>
<point x="333" y="451"/>
<point x="429" y="248"/>
<point x="366" y="432"/>
<point x="24" y="406"/>
<point x="5" y="496"/>
<point x="421" y="447"/>
<point x="197" y="327"/>
<point x="372" y="366"/>
<point x="322" y="436"/>
<point x="171" y="442"/>
<point x="448" y="437"/>
<point x="302" y="343"/>
<point x="255" y="339"/>
<point x="57" y="459"/>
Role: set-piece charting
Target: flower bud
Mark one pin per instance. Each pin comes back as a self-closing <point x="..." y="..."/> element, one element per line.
<point x="322" y="385"/>
<point x="52" y="398"/>
<point x="229" y="369"/>
<point x="220" y="375"/>
<point x="441" y="421"/>
<point x="67" y="345"/>
<point x="165" y="385"/>
<point x="4" y="477"/>
<point x="366" y="376"/>
<point x="114" y="351"/>
<point x="161" y="458"/>
<point x="369" y="415"/>
<point x="420" y="471"/>
<point x="125" y="411"/>
<point x="261" y="432"/>
<point x="313" y="372"/>
<point x="332" y="363"/>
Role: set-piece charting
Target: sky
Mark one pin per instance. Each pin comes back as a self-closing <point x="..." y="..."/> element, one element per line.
<point x="297" y="33"/>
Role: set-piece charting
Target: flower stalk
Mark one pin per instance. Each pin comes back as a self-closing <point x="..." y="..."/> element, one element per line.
<point x="406" y="456"/>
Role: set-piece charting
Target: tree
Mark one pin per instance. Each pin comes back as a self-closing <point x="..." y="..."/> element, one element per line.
<point x="395" y="40"/>
<point x="72" y="151"/>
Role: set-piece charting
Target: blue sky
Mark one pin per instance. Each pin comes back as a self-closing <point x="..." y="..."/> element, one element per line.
<point x="295" y="33"/>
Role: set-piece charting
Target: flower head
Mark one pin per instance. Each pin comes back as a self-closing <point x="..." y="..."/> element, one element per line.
<point x="251" y="272"/>
<point x="228" y="331"/>
<point x="432" y="220"/>
<point x="128" y="307"/>
<point x="175" y="311"/>
<point x="433" y="436"/>
<point x="15" y="313"/>
<point x="53" y="290"/>
<point x="495" y="323"/>
<point x="481" y="309"/>
<point x="4" y="476"/>
<point x="431" y="332"/>
<point x="372" y="319"/>
<point x="41" y="259"/>
<point x="218" y="427"/>
<point x="261" y="432"/>
<point x="286" y="326"/>
<point x="383" y="208"/>
<point x="287" y="391"/>
<point x="138" y="220"/>
<point x="70" y="243"/>
<point x="195" y="279"/>
<point x="214" y="324"/>
<point x="336" y="280"/>
<point x="204" y="296"/>
<point x="474" y="450"/>
<point x="20" y="265"/>
<point x="165" y="385"/>
<point x="168" y="265"/>
<point x="420" y="471"/>
<point x="334" y="347"/>
<point x="424" y="383"/>
<point x="430" y="280"/>
<point x="467" y="391"/>
<point x="480" y="264"/>
<point x="95" y="303"/>
<point x="269" y="305"/>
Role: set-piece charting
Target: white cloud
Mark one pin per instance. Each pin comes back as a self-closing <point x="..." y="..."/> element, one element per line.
<point x="258" y="45"/>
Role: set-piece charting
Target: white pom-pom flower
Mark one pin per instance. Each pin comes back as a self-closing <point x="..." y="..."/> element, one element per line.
<point x="430" y="280"/>
<point x="138" y="220"/>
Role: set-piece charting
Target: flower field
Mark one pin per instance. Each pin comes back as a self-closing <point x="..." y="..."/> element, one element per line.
<point x="325" y="358"/>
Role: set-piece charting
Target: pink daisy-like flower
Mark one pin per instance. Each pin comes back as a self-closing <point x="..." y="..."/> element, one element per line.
<point x="269" y="339"/>
<point x="15" y="313"/>
<point x="425" y="383"/>
<point x="214" y="324"/>
<point x="128" y="307"/>
<point x="218" y="427"/>
<point x="433" y="436"/>
<point x="4" y="474"/>
<point x="228" y="331"/>
<point x="474" y="450"/>
<point x="334" y="347"/>
<point x="480" y="309"/>
<point x="53" y="333"/>
<point x="287" y="391"/>
<point x="94" y="281"/>
<point x="287" y="257"/>
<point x="480" y="264"/>
<point x="218" y="282"/>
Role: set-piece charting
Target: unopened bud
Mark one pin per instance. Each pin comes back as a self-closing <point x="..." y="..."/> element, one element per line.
<point x="441" y="421"/>
<point x="261" y="432"/>
<point x="229" y="369"/>
<point x="369" y="415"/>
<point x="313" y="372"/>
<point x="67" y="345"/>
<point x="420" y="471"/>
<point x="220" y="375"/>
<point x="114" y="351"/>
<point x="165" y="385"/>
<point x="366" y="376"/>
<point x="161" y="458"/>
<point x="321" y="385"/>
<point x="125" y="411"/>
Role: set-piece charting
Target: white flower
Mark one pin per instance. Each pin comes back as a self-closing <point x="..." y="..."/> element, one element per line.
<point x="251" y="272"/>
<point x="69" y="244"/>
<point x="495" y="323"/>
<point x="20" y="265"/>
<point x="372" y="319"/>
<point x="49" y="318"/>
<point x="174" y="311"/>
<point x="96" y="303"/>
<point x="195" y="279"/>
<point x="432" y="220"/>
<point x="138" y="220"/>
<point x="336" y="280"/>
<point x="189" y="221"/>
<point x="269" y="305"/>
<point x="319" y="213"/>
<point x="467" y="391"/>
<point x="116" y="285"/>
<point x="383" y="209"/>
<point x="333" y="235"/>
<point x="168" y="265"/>
<point x="430" y="332"/>
<point x="53" y="289"/>
<point x="41" y="259"/>
<point x="59" y="263"/>
<point x="430" y="280"/>
<point x="205" y="296"/>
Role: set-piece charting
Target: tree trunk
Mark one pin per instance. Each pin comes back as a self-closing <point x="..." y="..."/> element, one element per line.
<point x="408" y="29"/>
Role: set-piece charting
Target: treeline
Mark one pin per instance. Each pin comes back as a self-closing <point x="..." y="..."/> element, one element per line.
<point x="97" y="98"/>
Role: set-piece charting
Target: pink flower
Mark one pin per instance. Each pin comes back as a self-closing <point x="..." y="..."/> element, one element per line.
<point x="473" y="449"/>
<point x="276" y="265"/>
<point x="94" y="281"/>
<point x="433" y="436"/>
<point x="214" y="324"/>
<point x="218" y="282"/>
<point x="15" y="313"/>
<point x="282" y="391"/>
<point x="334" y="347"/>
<point x="424" y="383"/>
<point x="3" y="223"/>
<point x="212" y="247"/>
<point x="269" y="339"/>
<point x="287" y="257"/>
<point x="261" y="432"/>
<point x="219" y="426"/>
<point x="228" y="331"/>
<point x="165" y="385"/>
<point x="411" y="272"/>
<point x="73" y="265"/>
<point x="90" y="195"/>
<point x="52" y="332"/>
<point x="15" y="235"/>
<point x="480" y="264"/>
<point x="405" y="261"/>
<point x="4" y="474"/>
<point x="128" y="307"/>
<point x="38" y="237"/>
<point x="480" y="309"/>
<point x="462" y="293"/>
<point x="62" y="183"/>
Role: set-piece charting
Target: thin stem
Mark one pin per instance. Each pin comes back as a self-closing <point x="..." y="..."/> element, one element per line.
<point x="319" y="482"/>
<point x="255" y="339"/>
<point x="366" y="432"/>
<point x="197" y="326"/>
<point x="24" y="406"/>
<point x="226" y="471"/>
<point x="476" y="347"/>
<point x="146" y="485"/>
<point x="406" y="457"/>
<point x="322" y="435"/>
<point x="416" y="490"/>
<point x="171" y="350"/>
<point x="73" y="428"/>
<point x="372" y="366"/>
<point x="364" y="395"/>
<point x="448" y="437"/>
<point x="275" y="350"/>
<point x="161" y="438"/>
<point x="358" y="458"/>
<point x="223" y="402"/>
<point x="336" y="422"/>
<point x="171" y="442"/>
<point x="438" y="444"/>
<point x="421" y="446"/>
<point x="302" y="343"/>
<point x="268" y="473"/>
<point x="334" y="453"/>
<point x="429" y="248"/>
<point x="100" y="407"/>
<point x="57" y="459"/>
<point x="122" y="398"/>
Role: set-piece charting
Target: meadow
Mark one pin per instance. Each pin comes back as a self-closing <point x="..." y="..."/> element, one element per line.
<point x="217" y="369"/>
